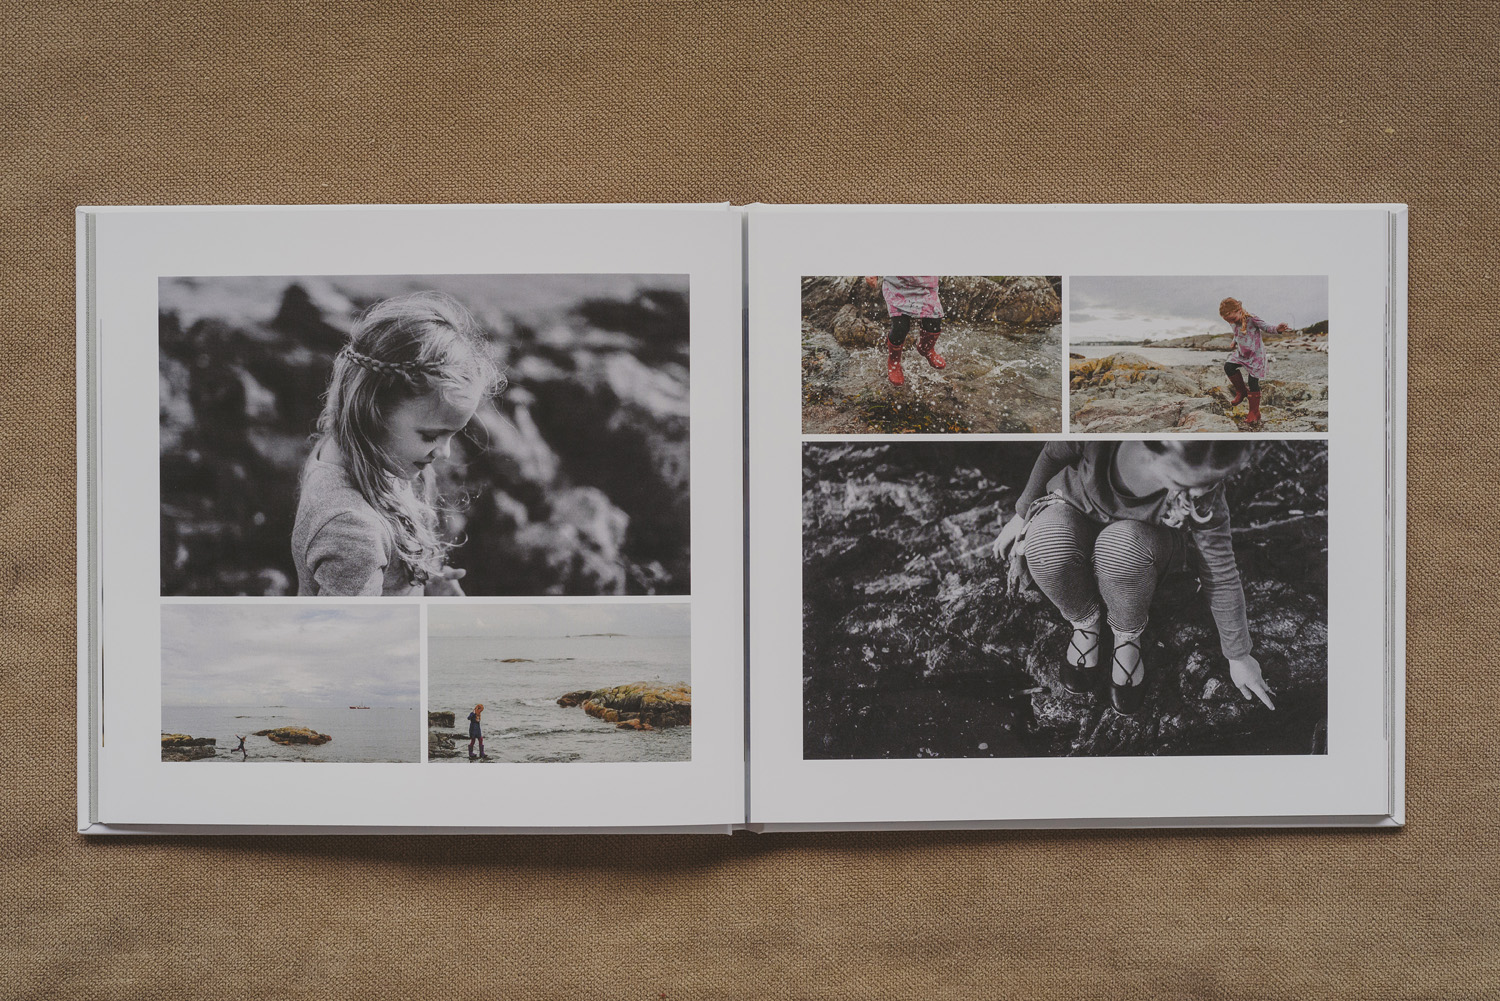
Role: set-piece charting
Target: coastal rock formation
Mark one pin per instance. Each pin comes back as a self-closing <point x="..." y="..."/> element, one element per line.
<point x="1125" y="392"/>
<point x="912" y="648"/>
<point x="183" y="740"/>
<point x="442" y="745"/>
<point x="188" y="752"/>
<point x="294" y="735"/>
<point x="654" y="707"/>
<point x="573" y="482"/>
<point x="1001" y="339"/>
<point x="440" y="718"/>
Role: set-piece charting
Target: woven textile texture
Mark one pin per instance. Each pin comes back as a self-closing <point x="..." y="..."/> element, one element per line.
<point x="272" y="102"/>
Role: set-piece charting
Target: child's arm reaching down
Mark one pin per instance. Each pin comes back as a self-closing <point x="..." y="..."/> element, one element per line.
<point x="1220" y="575"/>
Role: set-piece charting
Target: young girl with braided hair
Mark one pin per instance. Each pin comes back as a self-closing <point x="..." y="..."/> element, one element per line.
<point x="413" y="373"/>
<point x="1099" y="525"/>
<point x="1249" y="353"/>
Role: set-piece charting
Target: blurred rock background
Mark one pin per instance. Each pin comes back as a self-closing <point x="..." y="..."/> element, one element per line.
<point x="573" y="481"/>
<point x="911" y="648"/>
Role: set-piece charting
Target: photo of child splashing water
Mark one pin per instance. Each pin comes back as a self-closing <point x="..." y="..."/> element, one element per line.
<point x="871" y="362"/>
<point x="437" y="434"/>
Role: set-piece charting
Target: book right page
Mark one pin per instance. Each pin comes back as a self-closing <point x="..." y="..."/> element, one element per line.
<point x="1089" y="525"/>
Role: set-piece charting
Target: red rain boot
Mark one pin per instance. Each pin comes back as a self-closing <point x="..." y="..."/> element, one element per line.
<point x="893" y="363"/>
<point x="1240" y="392"/>
<point x="1253" y="417"/>
<point x="927" y="348"/>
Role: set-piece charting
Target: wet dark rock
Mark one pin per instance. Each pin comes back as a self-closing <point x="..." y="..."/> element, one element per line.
<point x="187" y="753"/>
<point x="913" y="649"/>
<point x="440" y="718"/>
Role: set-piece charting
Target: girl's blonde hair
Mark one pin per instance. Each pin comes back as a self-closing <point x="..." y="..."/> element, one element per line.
<point x="1230" y="306"/>
<point x="401" y="349"/>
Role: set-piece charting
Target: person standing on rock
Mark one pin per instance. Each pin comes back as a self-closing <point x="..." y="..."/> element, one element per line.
<point x="1249" y="353"/>
<point x="475" y="733"/>
<point x="909" y="298"/>
<point x="413" y="374"/>
<point x="1099" y="525"/>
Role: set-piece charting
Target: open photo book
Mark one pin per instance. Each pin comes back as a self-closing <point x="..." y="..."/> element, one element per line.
<point x="660" y="518"/>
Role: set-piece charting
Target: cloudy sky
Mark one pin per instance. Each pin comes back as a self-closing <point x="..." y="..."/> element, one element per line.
<point x="1134" y="308"/>
<point x="290" y="655"/>
<point x="558" y="620"/>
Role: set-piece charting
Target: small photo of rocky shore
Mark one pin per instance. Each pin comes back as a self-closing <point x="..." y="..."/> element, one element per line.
<point x="920" y="642"/>
<point x="251" y="683"/>
<point x="559" y="683"/>
<point x="571" y="479"/>
<point x="1220" y="354"/>
<point x="899" y="354"/>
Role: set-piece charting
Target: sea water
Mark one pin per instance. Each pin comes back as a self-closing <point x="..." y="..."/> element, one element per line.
<point x="520" y="680"/>
<point x="376" y="734"/>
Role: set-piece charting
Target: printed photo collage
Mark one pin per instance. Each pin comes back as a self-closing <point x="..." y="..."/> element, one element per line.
<point x="1064" y="516"/>
<point x="436" y="519"/>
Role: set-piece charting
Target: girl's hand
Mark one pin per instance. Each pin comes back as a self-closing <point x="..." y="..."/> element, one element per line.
<point x="1245" y="673"/>
<point x="1013" y="532"/>
<point x="1282" y="328"/>
<point x="444" y="583"/>
<point x="872" y="280"/>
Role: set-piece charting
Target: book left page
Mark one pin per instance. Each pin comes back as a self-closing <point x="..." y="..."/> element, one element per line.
<point x="409" y="518"/>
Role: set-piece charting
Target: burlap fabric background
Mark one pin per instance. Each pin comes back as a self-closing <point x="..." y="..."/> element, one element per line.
<point x="309" y="102"/>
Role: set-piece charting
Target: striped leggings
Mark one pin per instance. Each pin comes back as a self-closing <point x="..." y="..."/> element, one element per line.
<point x="1079" y="564"/>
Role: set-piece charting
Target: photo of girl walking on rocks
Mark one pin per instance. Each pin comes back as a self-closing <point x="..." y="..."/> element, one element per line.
<point x="438" y="434"/>
<point x="1078" y="598"/>
<point x="1151" y="354"/>
<point x="1000" y="369"/>
<point x="563" y="682"/>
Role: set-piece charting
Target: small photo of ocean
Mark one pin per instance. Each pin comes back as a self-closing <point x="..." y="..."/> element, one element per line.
<point x="246" y="684"/>
<point x="559" y="683"/>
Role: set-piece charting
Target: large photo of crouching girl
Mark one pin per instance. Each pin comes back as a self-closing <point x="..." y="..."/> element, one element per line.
<point x="1070" y="598"/>
<point x="439" y="435"/>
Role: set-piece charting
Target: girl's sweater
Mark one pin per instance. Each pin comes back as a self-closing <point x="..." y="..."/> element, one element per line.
<point x="1082" y="474"/>
<point x="1250" y="346"/>
<point x="341" y="544"/>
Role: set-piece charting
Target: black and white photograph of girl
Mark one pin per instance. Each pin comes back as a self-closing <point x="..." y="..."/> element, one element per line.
<point x="439" y="435"/>
<point x="267" y="682"/>
<point x="1216" y="354"/>
<point x="1078" y="598"/>
<point x="931" y="354"/>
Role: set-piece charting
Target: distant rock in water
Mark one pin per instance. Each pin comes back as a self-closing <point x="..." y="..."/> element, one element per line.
<point x="294" y="735"/>
<point x="440" y="719"/>
<point x="638" y="706"/>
